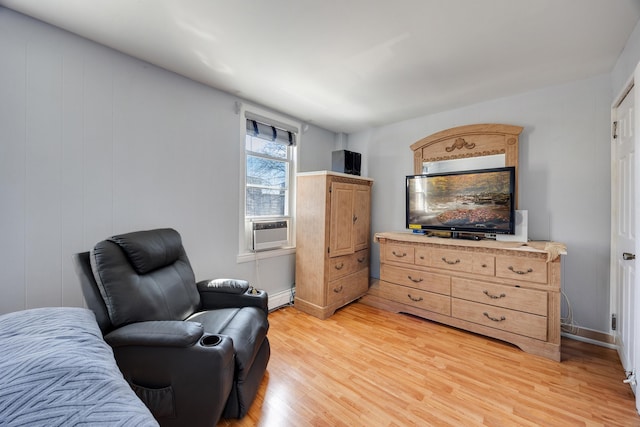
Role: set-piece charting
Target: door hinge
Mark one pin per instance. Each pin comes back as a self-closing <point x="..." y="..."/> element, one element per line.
<point x="615" y="130"/>
<point x="614" y="322"/>
<point x="328" y="250"/>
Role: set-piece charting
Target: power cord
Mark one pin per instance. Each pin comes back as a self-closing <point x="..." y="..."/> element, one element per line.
<point x="292" y="295"/>
<point x="257" y="264"/>
<point x="567" y="323"/>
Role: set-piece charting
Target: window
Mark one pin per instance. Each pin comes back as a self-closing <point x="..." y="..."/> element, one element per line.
<point x="267" y="169"/>
<point x="269" y="172"/>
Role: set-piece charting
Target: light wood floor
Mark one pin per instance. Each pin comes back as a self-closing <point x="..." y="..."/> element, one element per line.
<point x="368" y="367"/>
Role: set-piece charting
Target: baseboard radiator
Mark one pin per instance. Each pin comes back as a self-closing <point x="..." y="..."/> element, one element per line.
<point x="270" y="234"/>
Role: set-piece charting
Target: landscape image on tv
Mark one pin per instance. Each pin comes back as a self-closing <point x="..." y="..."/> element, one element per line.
<point x="479" y="201"/>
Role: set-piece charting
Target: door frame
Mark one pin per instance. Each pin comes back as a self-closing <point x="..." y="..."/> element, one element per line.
<point x="613" y="286"/>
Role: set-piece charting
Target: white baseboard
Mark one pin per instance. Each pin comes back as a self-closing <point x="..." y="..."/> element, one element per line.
<point x="590" y="336"/>
<point x="279" y="299"/>
<point x="590" y="341"/>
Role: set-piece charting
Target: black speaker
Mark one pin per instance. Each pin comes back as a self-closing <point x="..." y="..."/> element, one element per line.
<point x="346" y="161"/>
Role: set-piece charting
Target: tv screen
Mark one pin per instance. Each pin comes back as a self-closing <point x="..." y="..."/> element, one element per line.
<point x="477" y="201"/>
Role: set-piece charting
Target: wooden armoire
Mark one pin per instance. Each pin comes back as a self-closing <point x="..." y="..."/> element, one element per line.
<point x="333" y="217"/>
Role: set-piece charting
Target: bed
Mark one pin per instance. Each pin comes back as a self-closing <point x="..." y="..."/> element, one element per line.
<point x="56" y="370"/>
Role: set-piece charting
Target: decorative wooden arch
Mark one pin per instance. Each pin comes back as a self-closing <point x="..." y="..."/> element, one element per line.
<point x="469" y="141"/>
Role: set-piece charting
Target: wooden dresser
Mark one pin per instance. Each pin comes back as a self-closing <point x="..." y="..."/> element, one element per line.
<point x="505" y="290"/>
<point x="332" y="240"/>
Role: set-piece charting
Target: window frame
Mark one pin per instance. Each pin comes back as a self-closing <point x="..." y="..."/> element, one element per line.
<point x="245" y="251"/>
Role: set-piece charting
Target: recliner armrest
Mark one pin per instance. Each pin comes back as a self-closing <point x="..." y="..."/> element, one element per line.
<point x="180" y="385"/>
<point x="169" y="333"/>
<point x="227" y="293"/>
<point x="227" y="286"/>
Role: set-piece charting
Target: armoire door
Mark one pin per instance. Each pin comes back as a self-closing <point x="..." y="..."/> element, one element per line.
<point x="362" y="217"/>
<point x="341" y="239"/>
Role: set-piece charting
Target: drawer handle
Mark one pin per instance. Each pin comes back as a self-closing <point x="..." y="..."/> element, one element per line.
<point x="361" y="260"/>
<point x="493" y="296"/>
<point x="450" y="262"/>
<point x="495" y="319"/>
<point x="337" y="290"/>
<point x="339" y="266"/>
<point x="415" y="280"/>
<point x="399" y="255"/>
<point x="529" y="270"/>
<point x="414" y="299"/>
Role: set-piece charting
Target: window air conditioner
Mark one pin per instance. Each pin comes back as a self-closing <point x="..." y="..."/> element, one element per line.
<point x="270" y="234"/>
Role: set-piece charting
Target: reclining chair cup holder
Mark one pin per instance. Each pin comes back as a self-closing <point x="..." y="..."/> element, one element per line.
<point x="254" y="292"/>
<point x="210" y="340"/>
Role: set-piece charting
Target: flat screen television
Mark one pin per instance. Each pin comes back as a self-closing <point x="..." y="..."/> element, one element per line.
<point x="474" y="201"/>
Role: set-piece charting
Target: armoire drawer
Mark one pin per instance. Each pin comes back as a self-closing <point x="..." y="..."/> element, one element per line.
<point x="347" y="264"/>
<point x="423" y="280"/>
<point x="517" y="322"/>
<point x="415" y="297"/>
<point x="527" y="300"/>
<point x="348" y="288"/>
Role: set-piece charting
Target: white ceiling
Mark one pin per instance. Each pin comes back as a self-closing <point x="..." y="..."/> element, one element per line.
<point x="346" y="65"/>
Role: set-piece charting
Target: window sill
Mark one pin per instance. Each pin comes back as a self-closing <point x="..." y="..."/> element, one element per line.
<point x="252" y="256"/>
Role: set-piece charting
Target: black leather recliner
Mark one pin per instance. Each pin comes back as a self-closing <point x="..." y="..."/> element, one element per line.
<point x="193" y="352"/>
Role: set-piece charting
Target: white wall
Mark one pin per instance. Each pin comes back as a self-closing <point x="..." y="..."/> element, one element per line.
<point x="95" y="143"/>
<point x="564" y="177"/>
<point x="626" y="63"/>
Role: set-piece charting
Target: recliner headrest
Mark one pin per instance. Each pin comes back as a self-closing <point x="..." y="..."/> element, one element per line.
<point x="150" y="250"/>
<point x="144" y="276"/>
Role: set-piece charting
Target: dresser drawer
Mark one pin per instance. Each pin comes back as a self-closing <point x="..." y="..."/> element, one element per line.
<point x="517" y="322"/>
<point x="422" y="256"/>
<point x="348" y="288"/>
<point x="416" y="298"/>
<point x="452" y="260"/>
<point x="522" y="268"/>
<point x="399" y="253"/>
<point x="484" y="264"/>
<point x="431" y="282"/>
<point x="347" y="264"/>
<point x="527" y="300"/>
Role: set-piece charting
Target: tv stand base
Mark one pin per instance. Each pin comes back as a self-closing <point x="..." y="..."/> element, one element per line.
<point x="465" y="236"/>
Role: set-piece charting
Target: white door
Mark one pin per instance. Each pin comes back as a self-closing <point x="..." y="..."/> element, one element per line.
<point x="623" y="243"/>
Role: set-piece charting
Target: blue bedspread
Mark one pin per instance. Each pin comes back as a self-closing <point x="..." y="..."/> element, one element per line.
<point x="56" y="370"/>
